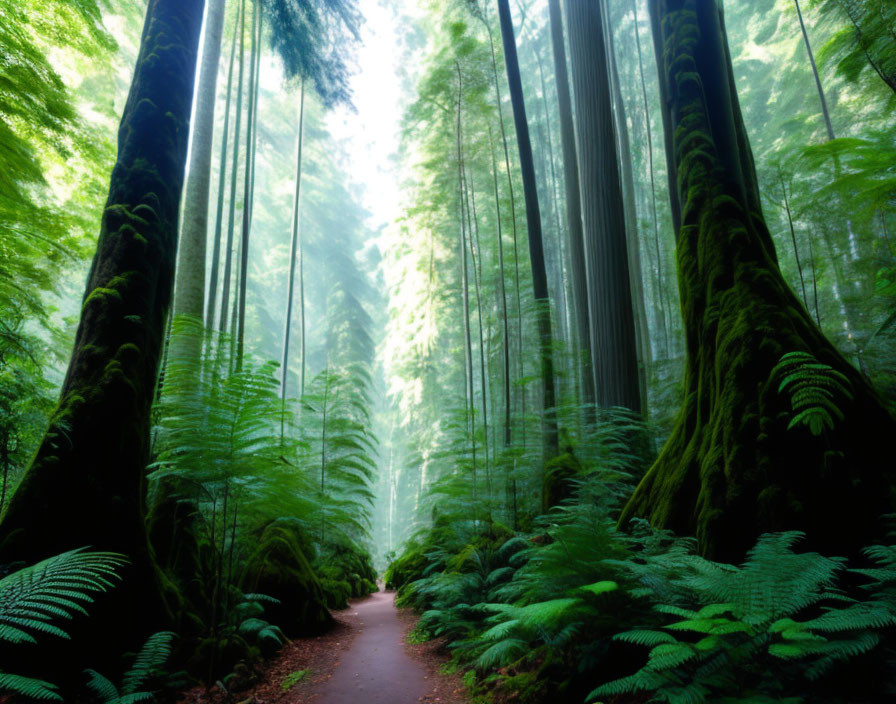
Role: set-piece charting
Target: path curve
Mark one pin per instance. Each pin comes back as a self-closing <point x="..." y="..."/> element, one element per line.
<point x="376" y="669"/>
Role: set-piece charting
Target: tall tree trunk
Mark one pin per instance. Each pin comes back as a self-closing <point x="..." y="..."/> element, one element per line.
<point x="533" y="221"/>
<point x="88" y="474"/>
<point x="660" y="302"/>
<point x="636" y="276"/>
<point x="284" y="361"/>
<point x="189" y="285"/>
<point x="573" y="204"/>
<point x="248" y="184"/>
<point x="516" y="259"/>
<point x="610" y="302"/>
<point x="231" y="216"/>
<point x="222" y="181"/>
<point x="737" y="464"/>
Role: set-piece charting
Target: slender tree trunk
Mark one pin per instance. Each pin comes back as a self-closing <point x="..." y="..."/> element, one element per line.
<point x="796" y="250"/>
<point x="506" y="350"/>
<point x="554" y="250"/>
<point x="736" y="465"/>
<point x="660" y="279"/>
<point x="323" y="454"/>
<point x="821" y="97"/>
<point x="222" y="180"/>
<point x="573" y="204"/>
<point x="231" y="216"/>
<point x="284" y="361"/>
<point x="510" y="189"/>
<point x="88" y="474"/>
<point x="302" y="316"/>
<point x="610" y="301"/>
<point x="473" y="234"/>
<point x="189" y="287"/>
<point x="248" y="188"/>
<point x="465" y="288"/>
<point x="533" y="221"/>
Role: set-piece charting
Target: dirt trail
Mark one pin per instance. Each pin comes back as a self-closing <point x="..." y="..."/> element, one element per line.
<point x="376" y="669"/>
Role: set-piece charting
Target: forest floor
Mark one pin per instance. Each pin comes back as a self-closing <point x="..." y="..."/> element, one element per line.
<point x="364" y="658"/>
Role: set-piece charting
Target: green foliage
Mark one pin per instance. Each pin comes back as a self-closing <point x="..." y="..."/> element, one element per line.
<point x="863" y="46"/>
<point x="346" y="572"/>
<point x="769" y="630"/>
<point x="34" y="598"/>
<point x="815" y="391"/>
<point x="292" y="679"/>
<point x="146" y="666"/>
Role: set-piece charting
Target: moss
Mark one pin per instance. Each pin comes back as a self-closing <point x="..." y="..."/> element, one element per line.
<point x="100" y="295"/>
<point x="731" y="469"/>
<point x="292" y="679"/>
<point x="278" y="568"/>
<point x="346" y="573"/>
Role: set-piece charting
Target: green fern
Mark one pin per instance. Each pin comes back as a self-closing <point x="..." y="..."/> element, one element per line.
<point x="34" y="598"/>
<point x="149" y="660"/>
<point x="29" y="687"/>
<point x="780" y="612"/>
<point x="815" y="390"/>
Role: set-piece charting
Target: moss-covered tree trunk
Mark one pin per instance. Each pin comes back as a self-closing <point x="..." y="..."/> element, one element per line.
<point x="86" y="483"/>
<point x="736" y="465"/>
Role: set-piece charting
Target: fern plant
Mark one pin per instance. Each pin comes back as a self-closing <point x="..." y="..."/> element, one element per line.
<point x="34" y="599"/>
<point x="764" y="631"/>
<point x="815" y="390"/>
<point x="147" y="663"/>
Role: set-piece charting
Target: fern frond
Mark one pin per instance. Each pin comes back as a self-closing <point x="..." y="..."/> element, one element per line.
<point x="31" y="598"/>
<point x="28" y="687"/>
<point x="502" y="653"/>
<point x="103" y="687"/>
<point x="152" y="655"/>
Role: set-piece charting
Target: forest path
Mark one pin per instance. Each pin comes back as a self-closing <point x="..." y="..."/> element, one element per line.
<point x="376" y="669"/>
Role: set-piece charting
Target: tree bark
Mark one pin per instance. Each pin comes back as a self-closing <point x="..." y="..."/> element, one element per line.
<point x="636" y="276"/>
<point x="735" y="465"/>
<point x="533" y="221"/>
<point x="516" y="258"/>
<point x="248" y="184"/>
<point x="231" y="217"/>
<point x="222" y="181"/>
<point x="613" y="343"/>
<point x="660" y="303"/>
<point x="86" y="483"/>
<point x="573" y="204"/>
<point x="189" y="287"/>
